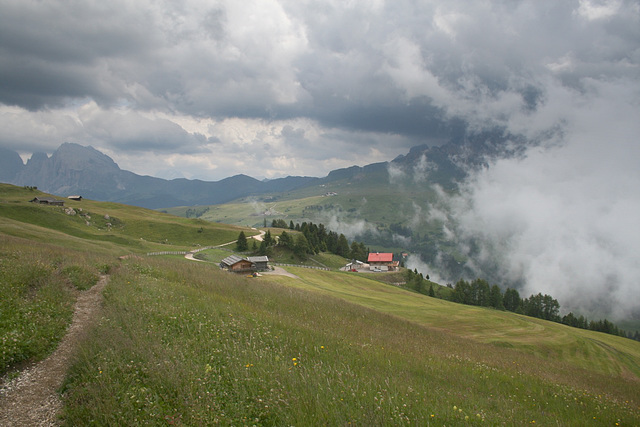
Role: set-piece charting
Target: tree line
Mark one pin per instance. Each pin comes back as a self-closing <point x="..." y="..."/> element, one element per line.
<point x="311" y="239"/>
<point x="480" y="293"/>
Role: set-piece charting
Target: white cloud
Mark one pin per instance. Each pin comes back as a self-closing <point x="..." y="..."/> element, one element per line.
<point x="562" y="219"/>
<point x="593" y="10"/>
<point x="409" y="71"/>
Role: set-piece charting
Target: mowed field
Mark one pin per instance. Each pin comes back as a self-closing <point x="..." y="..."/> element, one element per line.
<point x="182" y="343"/>
<point x="604" y="353"/>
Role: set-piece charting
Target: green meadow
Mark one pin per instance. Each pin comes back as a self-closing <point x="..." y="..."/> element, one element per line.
<point x="106" y="227"/>
<point x="187" y="343"/>
<point x="352" y="200"/>
<point x="179" y="342"/>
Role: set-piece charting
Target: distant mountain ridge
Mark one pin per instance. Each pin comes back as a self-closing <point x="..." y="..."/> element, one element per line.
<point x="80" y="170"/>
<point x="76" y="169"/>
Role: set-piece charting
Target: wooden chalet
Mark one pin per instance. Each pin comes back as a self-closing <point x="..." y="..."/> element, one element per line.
<point x="47" y="201"/>
<point x="235" y="263"/>
<point x="240" y="265"/>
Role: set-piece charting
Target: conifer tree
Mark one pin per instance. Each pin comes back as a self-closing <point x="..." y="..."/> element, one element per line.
<point x="242" y="244"/>
<point x="343" y="246"/>
<point x="512" y="300"/>
<point x="495" y="298"/>
<point x="301" y="247"/>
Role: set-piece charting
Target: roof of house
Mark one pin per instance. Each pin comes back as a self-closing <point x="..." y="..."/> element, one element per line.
<point x="380" y="257"/>
<point x="231" y="260"/>
<point x="258" y="258"/>
<point x="48" y="201"/>
<point x="45" y="199"/>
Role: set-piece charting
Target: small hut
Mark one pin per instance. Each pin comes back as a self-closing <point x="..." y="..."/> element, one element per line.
<point x="236" y="264"/>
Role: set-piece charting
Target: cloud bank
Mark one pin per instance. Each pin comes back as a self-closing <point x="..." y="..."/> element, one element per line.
<point x="224" y="80"/>
<point x="563" y="219"/>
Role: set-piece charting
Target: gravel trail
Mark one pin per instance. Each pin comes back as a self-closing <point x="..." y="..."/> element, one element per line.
<point x="31" y="399"/>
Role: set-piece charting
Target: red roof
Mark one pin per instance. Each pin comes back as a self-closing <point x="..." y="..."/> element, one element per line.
<point x="380" y="257"/>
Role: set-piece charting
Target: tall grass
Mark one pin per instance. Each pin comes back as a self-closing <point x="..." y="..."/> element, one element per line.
<point x="37" y="293"/>
<point x="186" y="344"/>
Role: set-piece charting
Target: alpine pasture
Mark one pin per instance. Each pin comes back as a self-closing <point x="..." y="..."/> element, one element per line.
<point x="179" y="342"/>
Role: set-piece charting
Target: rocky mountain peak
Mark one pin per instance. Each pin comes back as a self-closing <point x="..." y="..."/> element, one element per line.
<point x="77" y="157"/>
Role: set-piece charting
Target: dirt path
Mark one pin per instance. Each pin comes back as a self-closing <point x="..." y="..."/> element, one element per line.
<point x="31" y="399"/>
<point x="280" y="272"/>
<point x="190" y="254"/>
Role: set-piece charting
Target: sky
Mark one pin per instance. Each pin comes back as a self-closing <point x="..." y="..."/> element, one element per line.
<point x="270" y="88"/>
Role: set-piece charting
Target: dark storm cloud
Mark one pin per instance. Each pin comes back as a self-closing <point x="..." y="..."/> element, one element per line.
<point x="396" y="67"/>
<point x="414" y="69"/>
<point x="54" y="51"/>
<point x="284" y="63"/>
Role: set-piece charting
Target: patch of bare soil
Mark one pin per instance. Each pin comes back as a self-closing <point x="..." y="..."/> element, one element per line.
<point x="31" y="399"/>
<point x="280" y="272"/>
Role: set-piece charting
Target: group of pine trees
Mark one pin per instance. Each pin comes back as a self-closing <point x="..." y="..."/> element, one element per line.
<point x="478" y="292"/>
<point x="310" y="239"/>
<point x="318" y="239"/>
<point x="242" y="244"/>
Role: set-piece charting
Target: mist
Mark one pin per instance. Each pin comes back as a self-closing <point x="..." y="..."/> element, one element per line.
<point x="563" y="218"/>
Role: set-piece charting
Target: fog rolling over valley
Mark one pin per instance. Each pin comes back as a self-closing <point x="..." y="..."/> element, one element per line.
<point x="532" y="221"/>
<point x="526" y="112"/>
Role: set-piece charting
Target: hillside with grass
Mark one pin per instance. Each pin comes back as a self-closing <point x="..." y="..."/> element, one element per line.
<point x="183" y="343"/>
<point x="49" y="253"/>
<point x="351" y="199"/>
<point x="390" y="215"/>
<point x="116" y="228"/>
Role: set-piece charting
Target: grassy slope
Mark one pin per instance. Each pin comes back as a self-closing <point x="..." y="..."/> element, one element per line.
<point x="45" y="254"/>
<point x="38" y="284"/>
<point x="133" y="229"/>
<point x="600" y="352"/>
<point x="222" y="347"/>
<point x="355" y="199"/>
<point x="182" y="343"/>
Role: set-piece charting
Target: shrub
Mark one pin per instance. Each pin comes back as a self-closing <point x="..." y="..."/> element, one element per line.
<point x="80" y="277"/>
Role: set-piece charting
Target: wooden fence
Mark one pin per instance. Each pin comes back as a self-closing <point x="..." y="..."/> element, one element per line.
<point x="168" y="253"/>
<point x="299" y="265"/>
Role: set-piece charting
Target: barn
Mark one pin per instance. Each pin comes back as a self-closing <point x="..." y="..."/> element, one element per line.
<point x="259" y="263"/>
